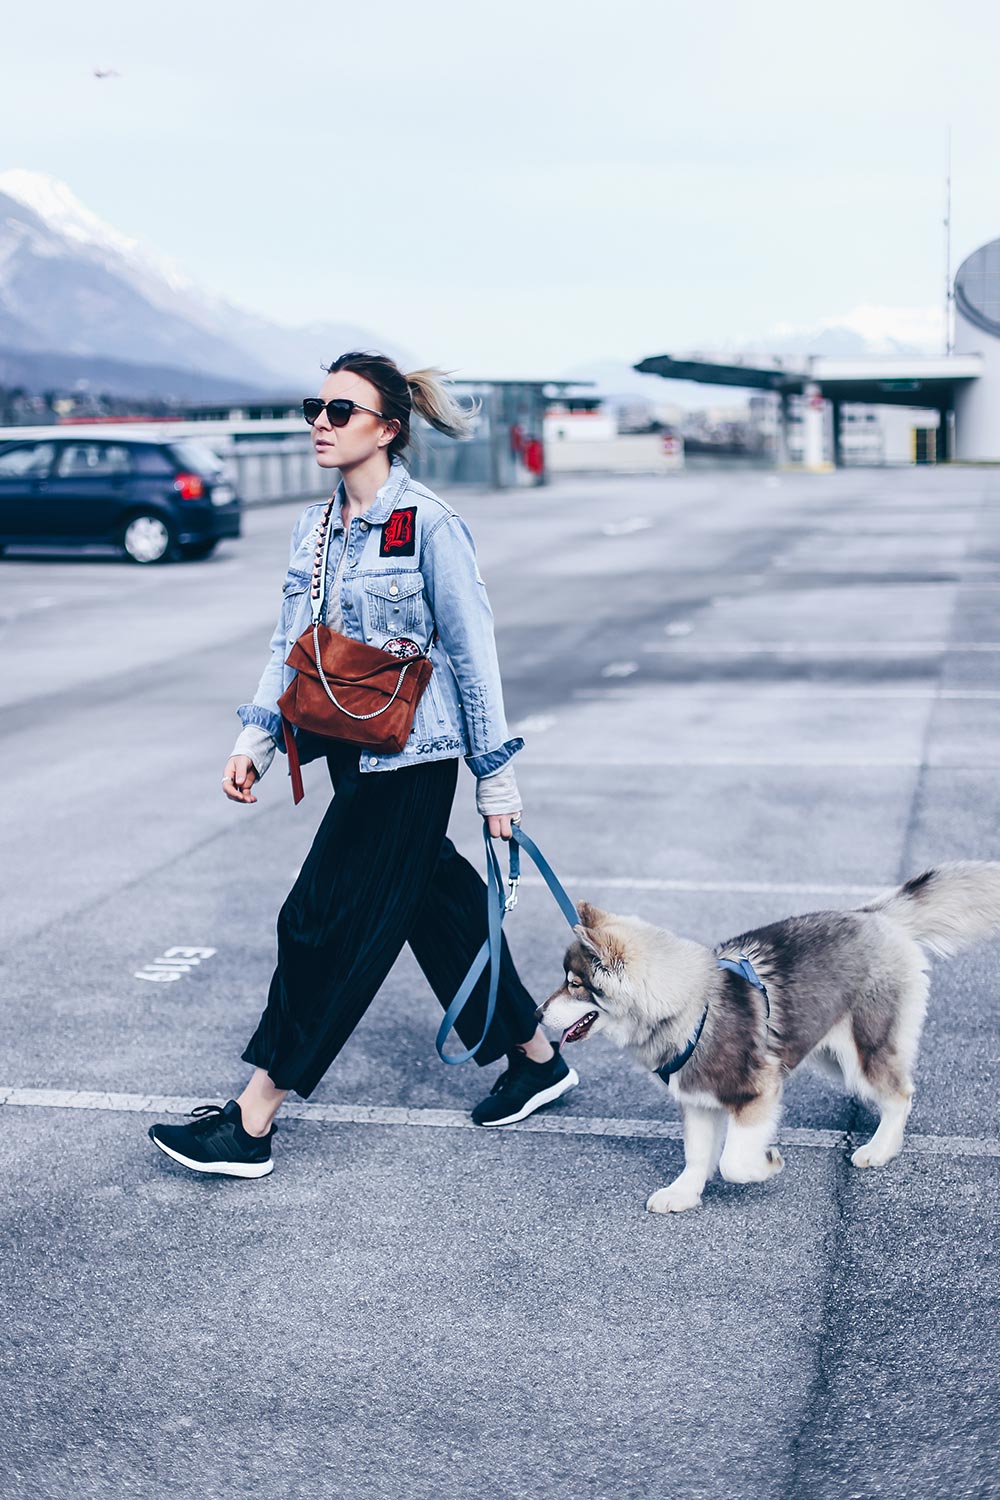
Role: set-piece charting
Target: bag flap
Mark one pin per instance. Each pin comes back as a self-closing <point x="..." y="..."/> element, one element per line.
<point x="350" y="663"/>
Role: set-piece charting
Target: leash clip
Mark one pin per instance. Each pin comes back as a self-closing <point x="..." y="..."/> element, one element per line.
<point x="514" y="881"/>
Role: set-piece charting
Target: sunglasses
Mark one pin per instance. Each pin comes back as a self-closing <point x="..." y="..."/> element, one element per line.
<point x="338" y="413"/>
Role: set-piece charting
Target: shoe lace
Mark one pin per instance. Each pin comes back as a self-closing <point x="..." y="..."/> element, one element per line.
<point x="502" y="1081"/>
<point x="211" y="1113"/>
<point x="515" y="1064"/>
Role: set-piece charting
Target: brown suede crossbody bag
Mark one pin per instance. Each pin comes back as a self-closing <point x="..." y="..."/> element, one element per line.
<point x="344" y="689"/>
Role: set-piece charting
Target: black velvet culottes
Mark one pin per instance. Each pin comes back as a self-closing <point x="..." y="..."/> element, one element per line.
<point x="381" y="872"/>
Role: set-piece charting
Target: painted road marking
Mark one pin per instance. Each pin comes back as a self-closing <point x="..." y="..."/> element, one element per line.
<point x="620" y="669"/>
<point x="456" y="1119"/>
<point x="173" y="964"/>
<point x="534" y="724"/>
<point x="820" y="648"/>
<point x="768" y="762"/>
<point x="625" y="528"/>
<point x="814" y="692"/>
<point x="715" y="887"/>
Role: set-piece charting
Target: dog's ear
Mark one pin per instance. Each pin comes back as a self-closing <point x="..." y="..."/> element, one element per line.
<point x="589" y="939"/>
<point x="590" y="916"/>
<point x="605" y="948"/>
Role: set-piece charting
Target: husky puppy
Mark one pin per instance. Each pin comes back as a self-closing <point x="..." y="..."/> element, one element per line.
<point x="846" y="990"/>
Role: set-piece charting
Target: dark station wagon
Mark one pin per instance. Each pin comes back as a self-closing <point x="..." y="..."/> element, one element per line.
<point x="157" y="498"/>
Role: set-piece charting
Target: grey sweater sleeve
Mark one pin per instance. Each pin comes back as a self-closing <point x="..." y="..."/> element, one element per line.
<point x="498" y="793"/>
<point x="258" y="744"/>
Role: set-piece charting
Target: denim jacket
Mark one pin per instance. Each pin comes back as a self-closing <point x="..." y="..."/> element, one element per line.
<point x="410" y="568"/>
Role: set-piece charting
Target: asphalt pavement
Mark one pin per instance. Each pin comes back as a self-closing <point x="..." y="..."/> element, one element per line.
<point x="742" y="696"/>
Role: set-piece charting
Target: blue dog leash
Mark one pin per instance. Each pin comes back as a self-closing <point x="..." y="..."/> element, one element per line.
<point x="498" y="908"/>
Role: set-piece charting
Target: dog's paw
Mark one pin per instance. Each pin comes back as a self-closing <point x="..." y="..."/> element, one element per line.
<point x="754" y="1169"/>
<point x="870" y="1155"/>
<point x="675" y="1199"/>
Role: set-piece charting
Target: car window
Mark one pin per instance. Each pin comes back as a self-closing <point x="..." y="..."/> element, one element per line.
<point x="153" y="458"/>
<point x="26" y="460"/>
<point x="92" y="460"/>
<point x="197" y="455"/>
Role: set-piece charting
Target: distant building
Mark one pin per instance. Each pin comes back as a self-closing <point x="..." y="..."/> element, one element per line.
<point x="929" y="408"/>
<point x="576" y="417"/>
<point x="977" y="333"/>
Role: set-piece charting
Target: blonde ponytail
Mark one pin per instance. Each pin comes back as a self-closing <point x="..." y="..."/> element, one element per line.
<point x="425" y="392"/>
<point x="433" y="401"/>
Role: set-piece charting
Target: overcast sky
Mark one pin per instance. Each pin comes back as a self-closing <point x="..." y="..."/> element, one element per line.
<point x="513" y="189"/>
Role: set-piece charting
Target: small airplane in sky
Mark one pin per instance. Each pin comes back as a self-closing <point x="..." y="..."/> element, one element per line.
<point x="106" y="73"/>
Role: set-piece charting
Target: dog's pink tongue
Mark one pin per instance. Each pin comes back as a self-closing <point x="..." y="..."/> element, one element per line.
<point x="566" y="1035"/>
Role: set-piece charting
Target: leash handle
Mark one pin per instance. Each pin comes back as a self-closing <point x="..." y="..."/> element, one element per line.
<point x="497" y="908"/>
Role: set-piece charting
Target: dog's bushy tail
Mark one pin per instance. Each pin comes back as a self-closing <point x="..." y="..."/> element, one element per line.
<point x="947" y="908"/>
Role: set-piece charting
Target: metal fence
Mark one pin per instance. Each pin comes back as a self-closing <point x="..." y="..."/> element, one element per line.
<point x="270" y="455"/>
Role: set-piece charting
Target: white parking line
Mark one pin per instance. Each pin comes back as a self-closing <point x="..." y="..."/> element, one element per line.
<point x="626" y="527"/>
<point x="713" y="887"/>
<point x="767" y="762"/>
<point x="955" y="572"/>
<point x="818" y="692"/>
<point x="455" y="1119"/>
<point x="702" y="647"/>
<point x="534" y="724"/>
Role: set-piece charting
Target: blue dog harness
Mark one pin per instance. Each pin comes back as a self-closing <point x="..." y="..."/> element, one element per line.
<point x="746" y="970"/>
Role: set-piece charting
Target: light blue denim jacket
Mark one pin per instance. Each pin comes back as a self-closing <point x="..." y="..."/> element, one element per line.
<point x="418" y="573"/>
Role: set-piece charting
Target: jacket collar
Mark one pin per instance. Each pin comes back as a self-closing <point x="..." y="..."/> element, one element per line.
<point x="386" y="496"/>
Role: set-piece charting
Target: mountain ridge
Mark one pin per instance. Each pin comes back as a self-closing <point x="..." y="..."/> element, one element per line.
<point x="72" y="285"/>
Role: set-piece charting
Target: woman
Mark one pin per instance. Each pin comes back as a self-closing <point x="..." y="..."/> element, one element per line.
<point x="381" y="870"/>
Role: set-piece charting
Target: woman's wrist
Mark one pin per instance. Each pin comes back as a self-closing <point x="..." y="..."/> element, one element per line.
<point x="498" y="794"/>
<point x="258" y="745"/>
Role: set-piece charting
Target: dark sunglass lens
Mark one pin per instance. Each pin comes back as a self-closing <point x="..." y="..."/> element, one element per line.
<point x="339" y="412"/>
<point x="311" y="408"/>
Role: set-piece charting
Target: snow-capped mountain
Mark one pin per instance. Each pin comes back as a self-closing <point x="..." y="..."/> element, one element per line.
<point x="74" y="285"/>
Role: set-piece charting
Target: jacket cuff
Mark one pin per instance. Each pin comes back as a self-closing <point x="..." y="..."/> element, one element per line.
<point x="265" y="718"/>
<point x="492" y="760"/>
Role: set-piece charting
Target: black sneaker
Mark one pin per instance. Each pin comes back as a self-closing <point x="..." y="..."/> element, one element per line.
<point x="524" y="1087"/>
<point x="217" y="1143"/>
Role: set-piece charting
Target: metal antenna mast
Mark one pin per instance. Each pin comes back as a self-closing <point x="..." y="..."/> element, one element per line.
<point x="947" y="249"/>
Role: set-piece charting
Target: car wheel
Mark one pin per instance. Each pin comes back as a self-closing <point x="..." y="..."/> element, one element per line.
<point x="148" y="539"/>
<point x="197" y="550"/>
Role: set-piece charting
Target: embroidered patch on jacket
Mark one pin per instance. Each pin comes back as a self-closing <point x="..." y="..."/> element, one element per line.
<point x="401" y="646"/>
<point x="399" y="534"/>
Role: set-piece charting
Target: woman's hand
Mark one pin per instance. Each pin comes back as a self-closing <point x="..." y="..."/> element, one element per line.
<point x="499" y="824"/>
<point x="238" y="777"/>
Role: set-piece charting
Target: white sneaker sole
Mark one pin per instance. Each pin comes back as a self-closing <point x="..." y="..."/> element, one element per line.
<point x="545" y="1097"/>
<point x="219" y="1168"/>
